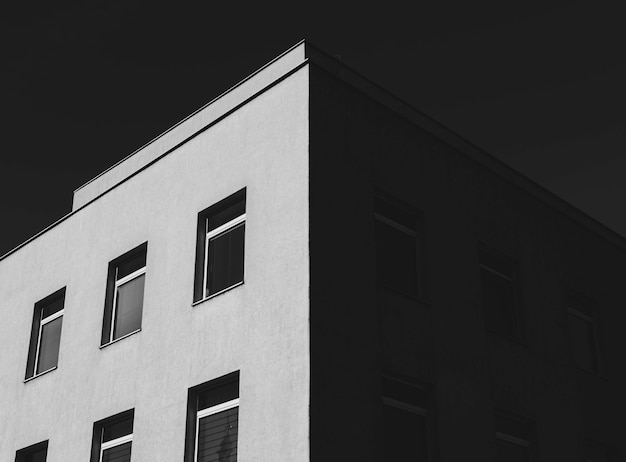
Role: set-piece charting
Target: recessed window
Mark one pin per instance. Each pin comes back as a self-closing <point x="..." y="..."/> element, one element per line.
<point x="399" y="247"/>
<point x="35" y="453"/>
<point x="212" y="421"/>
<point x="500" y="294"/>
<point x="220" y="246"/>
<point x="124" y="298"/>
<point x="595" y="452"/>
<point x="582" y="328"/>
<point x="405" y="421"/>
<point x="514" y="439"/>
<point x="45" y="337"/>
<point x="113" y="438"/>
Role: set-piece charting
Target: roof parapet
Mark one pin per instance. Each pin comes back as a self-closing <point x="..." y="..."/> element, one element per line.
<point x="192" y="124"/>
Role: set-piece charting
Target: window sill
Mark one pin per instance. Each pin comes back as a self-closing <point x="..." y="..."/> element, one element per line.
<point x="596" y="375"/>
<point x="121" y="338"/>
<point x="40" y="374"/>
<point x="202" y="300"/>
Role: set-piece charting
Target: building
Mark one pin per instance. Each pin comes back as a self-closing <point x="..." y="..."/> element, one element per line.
<point x="304" y="269"/>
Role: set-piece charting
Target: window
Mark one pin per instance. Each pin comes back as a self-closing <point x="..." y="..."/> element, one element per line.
<point x="35" y="453"/>
<point x="595" y="452"/>
<point x="212" y="421"/>
<point x="113" y="438"/>
<point x="45" y="336"/>
<point x="399" y="248"/>
<point x="514" y="439"/>
<point x="582" y="330"/>
<point x="124" y="296"/>
<point x="220" y="246"/>
<point x="405" y="421"/>
<point x="499" y="292"/>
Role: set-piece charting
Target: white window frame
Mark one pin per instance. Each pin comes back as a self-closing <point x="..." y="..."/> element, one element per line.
<point x="516" y="440"/>
<point x="497" y="273"/>
<point x="118" y="284"/>
<point x="113" y="443"/>
<point x="43" y="322"/>
<point x="580" y="314"/>
<point x="233" y="403"/>
<point x="413" y="409"/>
<point x="416" y="235"/>
<point x="220" y="230"/>
<point x="572" y="311"/>
<point x="394" y="224"/>
<point x="512" y="281"/>
<point x="405" y="406"/>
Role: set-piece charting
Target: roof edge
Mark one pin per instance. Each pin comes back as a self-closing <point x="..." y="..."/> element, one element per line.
<point x="315" y="56"/>
<point x="293" y="65"/>
<point x="339" y="70"/>
<point x="168" y="130"/>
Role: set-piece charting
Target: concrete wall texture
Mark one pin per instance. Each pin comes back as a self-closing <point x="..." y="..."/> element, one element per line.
<point x="259" y="328"/>
<point x="310" y="330"/>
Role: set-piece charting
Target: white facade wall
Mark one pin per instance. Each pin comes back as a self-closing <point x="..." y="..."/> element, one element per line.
<point x="260" y="328"/>
<point x="228" y="101"/>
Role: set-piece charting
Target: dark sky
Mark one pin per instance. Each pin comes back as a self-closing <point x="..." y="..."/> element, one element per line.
<point x="86" y="83"/>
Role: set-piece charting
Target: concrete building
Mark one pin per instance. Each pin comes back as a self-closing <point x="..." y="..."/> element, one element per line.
<point x="307" y="268"/>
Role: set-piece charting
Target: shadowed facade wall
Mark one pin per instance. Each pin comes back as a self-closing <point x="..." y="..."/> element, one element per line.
<point x="360" y="331"/>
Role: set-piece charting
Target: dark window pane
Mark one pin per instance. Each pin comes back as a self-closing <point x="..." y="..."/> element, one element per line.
<point x="131" y="265"/>
<point x="405" y="435"/>
<point x="129" y="305"/>
<point x="49" y="345"/>
<point x="218" y="395"/>
<point x="225" y="260"/>
<point x="400" y="215"/>
<point x="37" y="456"/>
<point x="218" y="219"/>
<point x="217" y="437"/>
<point x="499" y="303"/>
<point x="511" y="452"/>
<point x="513" y="426"/>
<point x="596" y="454"/>
<point x="396" y="259"/>
<point x="119" y="453"/>
<point x="124" y="303"/>
<point x="583" y="343"/>
<point x="52" y="308"/>
<point x="404" y="392"/>
<point x="502" y="264"/>
<point x="117" y="430"/>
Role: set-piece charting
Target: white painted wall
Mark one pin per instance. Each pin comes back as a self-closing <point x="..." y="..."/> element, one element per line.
<point x="260" y="328"/>
<point x="204" y="116"/>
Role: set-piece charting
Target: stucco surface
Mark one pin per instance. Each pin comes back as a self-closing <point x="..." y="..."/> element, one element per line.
<point x="259" y="328"/>
<point x="204" y="116"/>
